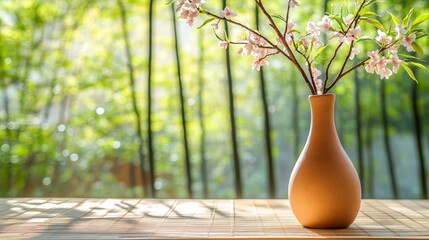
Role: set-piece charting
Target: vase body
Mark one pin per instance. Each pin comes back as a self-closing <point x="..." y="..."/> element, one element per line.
<point x="324" y="187"/>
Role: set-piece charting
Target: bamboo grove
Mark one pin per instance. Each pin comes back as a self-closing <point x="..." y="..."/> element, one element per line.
<point x="118" y="98"/>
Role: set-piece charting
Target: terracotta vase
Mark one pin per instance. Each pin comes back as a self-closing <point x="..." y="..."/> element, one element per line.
<point x="324" y="188"/>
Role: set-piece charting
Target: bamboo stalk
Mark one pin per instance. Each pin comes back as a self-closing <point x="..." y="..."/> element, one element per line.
<point x="386" y="140"/>
<point x="132" y="86"/>
<point x="418" y="130"/>
<point x="267" y="125"/>
<point x="182" y="108"/>
<point x="150" y="148"/>
<point x="234" y="138"/>
<point x="201" y="89"/>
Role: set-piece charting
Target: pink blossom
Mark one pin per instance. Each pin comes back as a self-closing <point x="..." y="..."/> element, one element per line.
<point x="294" y="3"/>
<point x="348" y="19"/>
<point x="396" y="62"/>
<point x="373" y="61"/>
<point x="352" y="34"/>
<point x="314" y="33"/>
<point x="189" y="10"/>
<point x="223" y="44"/>
<point x="379" y="65"/>
<point x="374" y="56"/>
<point x="180" y="5"/>
<point x="190" y="15"/>
<point x="382" y="70"/>
<point x="258" y="63"/>
<point x="325" y="24"/>
<point x="400" y="31"/>
<point x="316" y="41"/>
<point x="315" y="73"/>
<point x="407" y="42"/>
<point x="228" y="13"/>
<point x="247" y="49"/>
<point x="370" y="67"/>
<point x="355" y="51"/>
<point x="382" y="37"/>
<point x="339" y="35"/>
<point x="305" y="42"/>
<point x="312" y="28"/>
<point x="215" y="25"/>
<point x="290" y="26"/>
<point x="393" y="49"/>
<point x="198" y="3"/>
<point x="253" y="41"/>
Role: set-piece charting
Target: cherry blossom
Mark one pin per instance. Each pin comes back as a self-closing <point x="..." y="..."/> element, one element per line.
<point x="215" y="25"/>
<point x="373" y="60"/>
<point x="348" y="19"/>
<point x="393" y="49"/>
<point x="315" y="73"/>
<point x="407" y="42"/>
<point x="382" y="70"/>
<point x="180" y="5"/>
<point x="382" y="37"/>
<point x="355" y="51"/>
<point x="400" y="31"/>
<point x="325" y="24"/>
<point x="396" y="62"/>
<point x="189" y="15"/>
<point x="290" y="26"/>
<point x="223" y="44"/>
<point x="189" y="10"/>
<point x="305" y="42"/>
<point x="312" y="28"/>
<point x="294" y="3"/>
<point x="258" y="63"/>
<point x="352" y="34"/>
<point x="228" y="13"/>
<point x="383" y="60"/>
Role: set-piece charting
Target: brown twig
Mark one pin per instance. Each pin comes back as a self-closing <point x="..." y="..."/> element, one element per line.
<point x="283" y="41"/>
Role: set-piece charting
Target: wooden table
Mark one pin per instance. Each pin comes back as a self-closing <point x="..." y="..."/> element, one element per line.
<point x="200" y="219"/>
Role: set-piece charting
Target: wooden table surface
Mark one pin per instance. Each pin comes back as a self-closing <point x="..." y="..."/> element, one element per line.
<point x="36" y="218"/>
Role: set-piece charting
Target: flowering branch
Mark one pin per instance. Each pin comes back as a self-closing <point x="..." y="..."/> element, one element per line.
<point x="283" y="41"/>
<point x="274" y="46"/>
<point x="383" y="60"/>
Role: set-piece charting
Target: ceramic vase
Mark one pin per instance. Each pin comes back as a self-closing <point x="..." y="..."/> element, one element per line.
<point x="324" y="187"/>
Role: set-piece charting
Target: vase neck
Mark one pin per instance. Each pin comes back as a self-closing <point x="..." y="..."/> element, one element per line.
<point x="322" y="112"/>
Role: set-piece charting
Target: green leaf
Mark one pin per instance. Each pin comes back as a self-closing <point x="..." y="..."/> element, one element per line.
<point x="374" y="22"/>
<point x="410" y="58"/>
<point x="366" y="38"/>
<point x="421" y="66"/>
<point x="170" y="2"/>
<point x="206" y="22"/>
<point x="417" y="48"/>
<point x="369" y="2"/>
<point x="368" y="14"/>
<point x="420" y="19"/>
<point x="278" y="16"/>
<point x="410" y="72"/>
<point x="407" y="18"/>
<point x="339" y="21"/>
<point x="394" y="18"/>
<point x="320" y="50"/>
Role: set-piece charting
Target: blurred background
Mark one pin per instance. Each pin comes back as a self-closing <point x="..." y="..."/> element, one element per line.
<point x="107" y="98"/>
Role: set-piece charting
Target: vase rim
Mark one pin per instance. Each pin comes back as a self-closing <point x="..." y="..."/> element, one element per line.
<point x="322" y="95"/>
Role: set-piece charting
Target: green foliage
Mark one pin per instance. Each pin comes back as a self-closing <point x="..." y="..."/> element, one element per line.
<point x="67" y="126"/>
